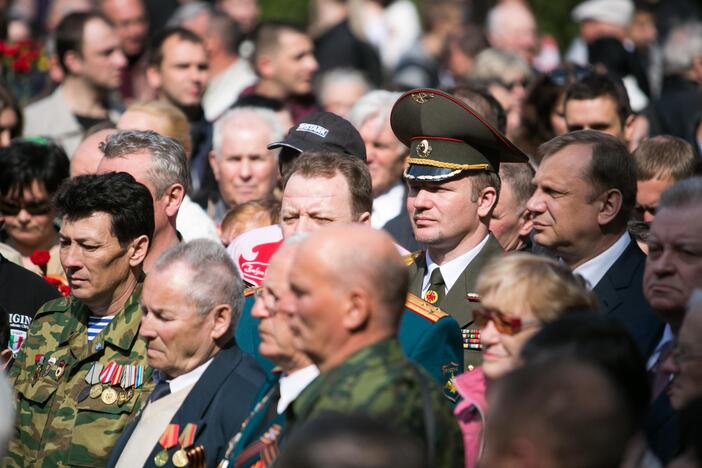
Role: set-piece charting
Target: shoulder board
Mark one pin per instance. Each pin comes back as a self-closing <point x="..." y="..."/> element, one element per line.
<point x="423" y="308"/>
<point x="251" y="291"/>
<point x="411" y="257"/>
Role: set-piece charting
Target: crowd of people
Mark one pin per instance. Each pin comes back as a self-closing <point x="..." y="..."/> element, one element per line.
<point x="396" y="236"/>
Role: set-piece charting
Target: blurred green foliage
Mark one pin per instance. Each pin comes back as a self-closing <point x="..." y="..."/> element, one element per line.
<point x="553" y="15"/>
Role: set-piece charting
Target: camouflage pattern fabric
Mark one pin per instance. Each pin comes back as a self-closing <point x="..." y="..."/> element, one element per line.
<point x="53" y="428"/>
<point x="379" y="381"/>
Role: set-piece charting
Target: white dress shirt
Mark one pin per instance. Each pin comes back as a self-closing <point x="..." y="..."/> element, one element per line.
<point x="388" y="205"/>
<point x="594" y="269"/>
<point x="292" y="385"/>
<point x="451" y="270"/>
<point x="185" y="380"/>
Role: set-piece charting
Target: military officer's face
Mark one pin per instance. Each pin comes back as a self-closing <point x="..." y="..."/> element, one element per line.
<point x="443" y="214"/>
<point x="179" y="337"/>
<point x="97" y="266"/>
<point x="273" y="326"/>
<point x="312" y="202"/>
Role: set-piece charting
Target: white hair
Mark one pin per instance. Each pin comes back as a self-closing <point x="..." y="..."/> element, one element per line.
<point x="376" y="103"/>
<point x="347" y="76"/>
<point x="682" y="46"/>
<point x="243" y="116"/>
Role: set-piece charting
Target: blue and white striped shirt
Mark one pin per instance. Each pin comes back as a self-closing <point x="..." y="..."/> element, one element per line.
<point x="96" y="325"/>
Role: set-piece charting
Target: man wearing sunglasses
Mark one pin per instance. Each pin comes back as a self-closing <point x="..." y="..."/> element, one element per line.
<point x="453" y="188"/>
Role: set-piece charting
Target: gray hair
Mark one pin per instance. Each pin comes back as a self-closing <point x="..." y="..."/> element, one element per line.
<point x="340" y="75"/>
<point x="492" y="64"/>
<point x="518" y="176"/>
<point x="168" y="162"/>
<point x="683" y="44"/>
<point x="189" y="11"/>
<point x="376" y="103"/>
<point x="215" y="279"/>
<point x="244" y="115"/>
<point x="683" y="194"/>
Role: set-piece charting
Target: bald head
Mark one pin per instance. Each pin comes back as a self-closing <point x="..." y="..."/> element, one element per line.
<point x="87" y="156"/>
<point x="349" y="286"/>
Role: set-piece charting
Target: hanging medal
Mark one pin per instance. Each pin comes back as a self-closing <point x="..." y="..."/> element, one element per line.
<point x="168" y="439"/>
<point x="186" y="439"/>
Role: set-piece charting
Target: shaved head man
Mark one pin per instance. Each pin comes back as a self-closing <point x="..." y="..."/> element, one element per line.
<point x="348" y="325"/>
<point x="87" y="156"/>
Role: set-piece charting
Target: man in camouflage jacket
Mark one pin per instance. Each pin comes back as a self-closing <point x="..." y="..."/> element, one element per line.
<point x="345" y="307"/>
<point x="77" y="385"/>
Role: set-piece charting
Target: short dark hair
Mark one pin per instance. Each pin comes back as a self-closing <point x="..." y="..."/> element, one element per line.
<point x="612" y="167"/>
<point x="69" y="33"/>
<point x="227" y="30"/>
<point x="155" y="49"/>
<point x="327" y="165"/>
<point x="602" y="341"/>
<point x="601" y="85"/>
<point x="128" y="202"/>
<point x="9" y="101"/>
<point x="665" y="156"/>
<point x="24" y="162"/>
<point x="266" y="36"/>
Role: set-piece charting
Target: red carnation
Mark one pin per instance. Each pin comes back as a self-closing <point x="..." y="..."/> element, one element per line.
<point x="21" y="65"/>
<point x="11" y="50"/>
<point x="40" y="257"/>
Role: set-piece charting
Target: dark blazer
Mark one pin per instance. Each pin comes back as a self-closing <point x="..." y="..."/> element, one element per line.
<point x="455" y="302"/>
<point x="620" y="294"/>
<point x="218" y="403"/>
<point x="662" y="429"/>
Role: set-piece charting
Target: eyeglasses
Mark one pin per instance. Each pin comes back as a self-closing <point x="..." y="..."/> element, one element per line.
<point x="563" y="76"/>
<point x="270" y="300"/>
<point x="513" y="84"/>
<point x="36" y="207"/>
<point x="503" y="324"/>
<point x="681" y="356"/>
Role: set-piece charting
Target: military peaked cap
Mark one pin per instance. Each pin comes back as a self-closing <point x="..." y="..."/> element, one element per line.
<point x="446" y="137"/>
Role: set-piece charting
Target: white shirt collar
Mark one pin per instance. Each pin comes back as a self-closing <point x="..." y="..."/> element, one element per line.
<point x="666" y="338"/>
<point x="292" y="385"/>
<point x="594" y="269"/>
<point x="388" y="205"/>
<point x="183" y="381"/>
<point x="451" y="270"/>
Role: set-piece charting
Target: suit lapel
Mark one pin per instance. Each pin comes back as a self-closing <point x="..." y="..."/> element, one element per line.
<point x="617" y="277"/>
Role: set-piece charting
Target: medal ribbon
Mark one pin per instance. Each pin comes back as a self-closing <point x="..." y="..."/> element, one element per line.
<point x="187" y="437"/>
<point x="107" y="372"/>
<point x="117" y="374"/>
<point x="139" y="376"/>
<point x="169" y="437"/>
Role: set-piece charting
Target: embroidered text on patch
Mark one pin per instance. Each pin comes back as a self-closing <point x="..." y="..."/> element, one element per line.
<point x="312" y="128"/>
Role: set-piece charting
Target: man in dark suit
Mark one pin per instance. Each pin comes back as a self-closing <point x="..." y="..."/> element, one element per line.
<point x="585" y="193"/>
<point x="673" y="271"/>
<point x="453" y="188"/>
<point x="205" y="385"/>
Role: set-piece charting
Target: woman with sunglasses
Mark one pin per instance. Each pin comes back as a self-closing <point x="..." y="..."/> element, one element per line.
<point x="519" y="293"/>
<point x="30" y="174"/>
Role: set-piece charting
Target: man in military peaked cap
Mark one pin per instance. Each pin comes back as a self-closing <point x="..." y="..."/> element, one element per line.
<point x="453" y="187"/>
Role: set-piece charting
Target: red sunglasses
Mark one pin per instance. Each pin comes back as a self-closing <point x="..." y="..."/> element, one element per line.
<point x="503" y="324"/>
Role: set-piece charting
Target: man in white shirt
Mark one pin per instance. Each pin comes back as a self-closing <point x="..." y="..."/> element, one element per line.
<point x="585" y="194"/>
<point x="205" y="385"/>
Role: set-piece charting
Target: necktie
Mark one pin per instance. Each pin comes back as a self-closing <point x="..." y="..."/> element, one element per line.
<point x="162" y="389"/>
<point x="437" y="288"/>
<point x="660" y="379"/>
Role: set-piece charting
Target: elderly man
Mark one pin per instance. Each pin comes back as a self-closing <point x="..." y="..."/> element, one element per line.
<point x="511" y="222"/>
<point x="88" y="52"/>
<point x="348" y="327"/>
<point x="245" y="169"/>
<point x="82" y="372"/>
<point x="385" y="156"/>
<point x="673" y="271"/>
<point x="511" y="26"/>
<point x="327" y="188"/>
<point x="296" y="369"/>
<point x="453" y="187"/>
<point x="87" y="156"/>
<point x="205" y="383"/>
<point x="158" y="162"/>
<point x="592" y="174"/>
<point x="284" y="61"/>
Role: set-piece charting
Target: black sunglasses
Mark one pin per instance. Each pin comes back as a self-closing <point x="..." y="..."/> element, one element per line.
<point x="37" y="207"/>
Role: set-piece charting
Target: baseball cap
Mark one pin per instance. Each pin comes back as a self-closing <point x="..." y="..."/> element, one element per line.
<point x="323" y="131"/>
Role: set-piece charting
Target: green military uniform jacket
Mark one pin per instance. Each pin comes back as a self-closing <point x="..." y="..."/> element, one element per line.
<point x="380" y="382"/>
<point x="455" y="302"/>
<point x="54" y="429"/>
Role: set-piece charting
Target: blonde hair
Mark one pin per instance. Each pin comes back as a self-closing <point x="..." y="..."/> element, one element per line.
<point x="543" y="285"/>
<point x="176" y="123"/>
